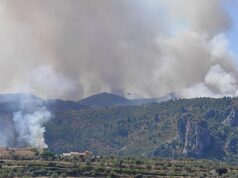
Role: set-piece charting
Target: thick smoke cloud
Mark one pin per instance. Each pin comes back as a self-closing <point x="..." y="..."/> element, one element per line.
<point x="71" y="49"/>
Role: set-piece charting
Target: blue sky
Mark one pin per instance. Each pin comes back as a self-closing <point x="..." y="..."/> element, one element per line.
<point x="232" y="34"/>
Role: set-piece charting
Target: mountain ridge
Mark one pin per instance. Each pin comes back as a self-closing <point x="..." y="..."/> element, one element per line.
<point x="109" y="99"/>
<point x="200" y="128"/>
<point x="172" y="129"/>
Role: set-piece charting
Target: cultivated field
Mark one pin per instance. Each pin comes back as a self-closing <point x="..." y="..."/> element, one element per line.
<point x="116" y="167"/>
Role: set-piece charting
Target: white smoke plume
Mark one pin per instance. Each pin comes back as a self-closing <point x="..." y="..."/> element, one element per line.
<point x="217" y="83"/>
<point x="29" y="127"/>
<point x="22" y="122"/>
<point x="71" y="49"/>
<point x="222" y="81"/>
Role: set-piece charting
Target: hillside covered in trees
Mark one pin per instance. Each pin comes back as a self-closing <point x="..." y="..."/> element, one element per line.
<point x="198" y="128"/>
<point x="177" y="128"/>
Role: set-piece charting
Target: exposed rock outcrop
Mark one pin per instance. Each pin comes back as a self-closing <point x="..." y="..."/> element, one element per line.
<point x="231" y="145"/>
<point x="182" y="123"/>
<point x="232" y="118"/>
<point x="197" y="139"/>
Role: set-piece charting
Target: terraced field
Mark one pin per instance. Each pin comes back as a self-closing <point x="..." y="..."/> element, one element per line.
<point x="117" y="168"/>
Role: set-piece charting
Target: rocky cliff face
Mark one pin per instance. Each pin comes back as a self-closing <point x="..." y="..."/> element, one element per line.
<point x="195" y="136"/>
<point x="231" y="145"/>
<point x="197" y="139"/>
<point x="182" y="124"/>
<point x="232" y="118"/>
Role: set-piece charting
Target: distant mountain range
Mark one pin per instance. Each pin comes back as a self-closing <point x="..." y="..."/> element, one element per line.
<point x="108" y="99"/>
<point x="16" y="102"/>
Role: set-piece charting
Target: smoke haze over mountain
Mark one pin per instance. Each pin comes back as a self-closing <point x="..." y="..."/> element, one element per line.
<point x="72" y="49"/>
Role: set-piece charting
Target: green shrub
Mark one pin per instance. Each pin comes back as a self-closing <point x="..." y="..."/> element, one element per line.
<point x="54" y="175"/>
